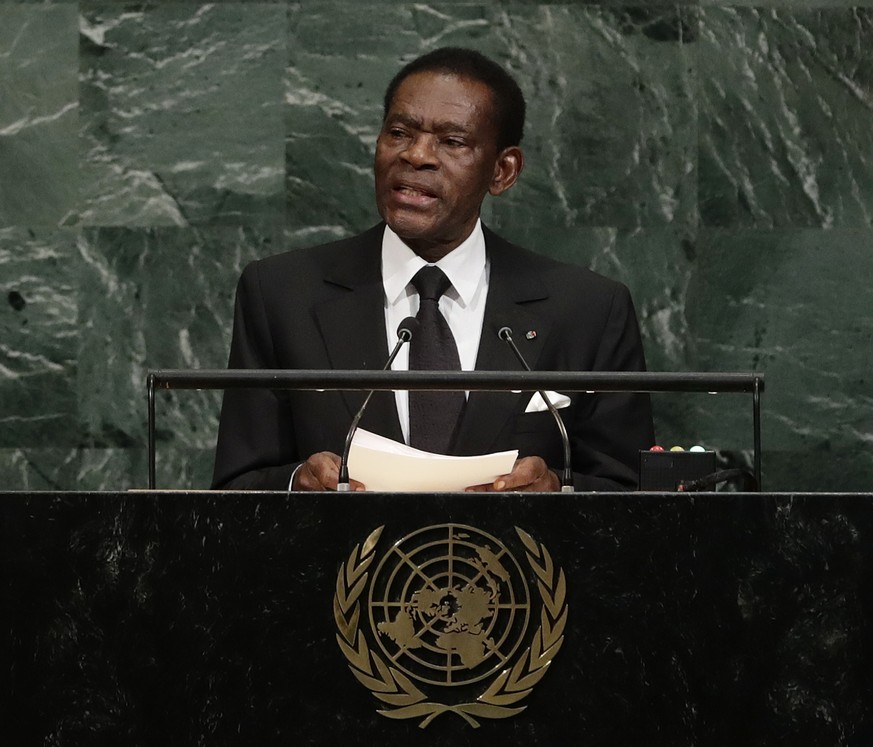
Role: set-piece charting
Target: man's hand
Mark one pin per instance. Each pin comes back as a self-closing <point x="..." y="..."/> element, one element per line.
<point x="321" y="472"/>
<point x="529" y="475"/>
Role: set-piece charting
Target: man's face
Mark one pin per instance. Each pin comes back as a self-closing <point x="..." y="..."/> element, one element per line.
<point x="436" y="159"/>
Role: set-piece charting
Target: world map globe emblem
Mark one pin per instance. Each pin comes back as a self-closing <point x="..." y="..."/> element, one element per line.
<point x="449" y="605"/>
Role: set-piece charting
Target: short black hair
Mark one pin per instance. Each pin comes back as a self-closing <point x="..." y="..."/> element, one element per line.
<point x="509" y="102"/>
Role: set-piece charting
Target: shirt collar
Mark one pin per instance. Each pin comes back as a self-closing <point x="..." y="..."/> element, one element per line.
<point x="463" y="266"/>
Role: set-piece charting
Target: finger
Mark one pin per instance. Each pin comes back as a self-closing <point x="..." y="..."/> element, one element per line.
<point x="524" y="473"/>
<point x="305" y="480"/>
<point x="326" y="469"/>
<point x="319" y="472"/>
<point x="530" y="474"/>
<point x="548" y="482"/>
<point x="510" y="481"/>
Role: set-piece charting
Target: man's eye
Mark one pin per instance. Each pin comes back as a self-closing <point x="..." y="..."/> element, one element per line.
<point x="454" y="142"/>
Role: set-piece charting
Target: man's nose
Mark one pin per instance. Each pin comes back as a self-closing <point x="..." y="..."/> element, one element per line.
<point x="422" y="151"/>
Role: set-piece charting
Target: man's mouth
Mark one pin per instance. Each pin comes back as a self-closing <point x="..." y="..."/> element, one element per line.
<point x="414" y="193"/>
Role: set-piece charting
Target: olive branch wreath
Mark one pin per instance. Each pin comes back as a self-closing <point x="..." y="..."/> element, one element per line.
<point x="395" y="689"/>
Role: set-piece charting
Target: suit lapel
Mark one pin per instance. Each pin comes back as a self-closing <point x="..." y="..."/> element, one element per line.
<point x="352" y="325"/>
<point x="514" y="292"/>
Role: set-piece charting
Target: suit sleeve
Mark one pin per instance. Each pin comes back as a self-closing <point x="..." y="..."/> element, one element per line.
<point x="256" y="448"/>
<point x="608" y="430"/>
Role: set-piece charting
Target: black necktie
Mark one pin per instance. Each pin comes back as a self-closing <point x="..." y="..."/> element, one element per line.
<point x="433" y="416"/>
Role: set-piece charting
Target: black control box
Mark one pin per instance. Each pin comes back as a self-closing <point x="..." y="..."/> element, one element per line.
<point x="664" y="470"/>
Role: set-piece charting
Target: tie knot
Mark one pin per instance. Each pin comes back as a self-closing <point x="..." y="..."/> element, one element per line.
<point x="430" y="282"/>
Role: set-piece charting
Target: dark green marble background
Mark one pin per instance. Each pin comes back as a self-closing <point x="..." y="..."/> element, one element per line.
<point x="716" y="157"/>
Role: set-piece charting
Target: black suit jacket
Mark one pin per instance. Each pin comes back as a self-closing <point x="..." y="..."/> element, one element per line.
<point x="323" y="308"/>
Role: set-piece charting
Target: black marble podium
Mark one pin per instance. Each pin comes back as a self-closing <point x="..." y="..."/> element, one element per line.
<point x="192" y="618"/>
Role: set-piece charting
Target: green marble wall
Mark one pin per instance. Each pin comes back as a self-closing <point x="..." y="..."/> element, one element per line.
<point x="717" y="157"/>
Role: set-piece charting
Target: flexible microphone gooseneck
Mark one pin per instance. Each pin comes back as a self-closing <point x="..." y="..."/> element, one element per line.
<point x="505" y="334"/>
<point x="405" y="330"/>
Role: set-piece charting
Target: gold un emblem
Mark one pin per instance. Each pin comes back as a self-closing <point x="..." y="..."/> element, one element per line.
<point x="446" y="615"/>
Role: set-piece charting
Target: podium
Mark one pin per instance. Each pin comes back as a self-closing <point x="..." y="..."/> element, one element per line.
<point x="211" y="618"/>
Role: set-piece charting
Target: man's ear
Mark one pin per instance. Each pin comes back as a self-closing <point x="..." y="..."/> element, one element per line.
<point x="510" y="162"/>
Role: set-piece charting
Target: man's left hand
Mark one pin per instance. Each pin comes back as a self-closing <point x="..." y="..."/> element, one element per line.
<point x="529" y="475"/>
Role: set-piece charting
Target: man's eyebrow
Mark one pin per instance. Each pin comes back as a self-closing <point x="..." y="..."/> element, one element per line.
<point x="439" y="127"/>
<point x="444" y="127"/>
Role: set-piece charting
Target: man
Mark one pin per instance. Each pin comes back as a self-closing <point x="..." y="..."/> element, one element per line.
<point x="452" y="125"/>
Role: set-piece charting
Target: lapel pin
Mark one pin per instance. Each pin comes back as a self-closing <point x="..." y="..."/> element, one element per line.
<point x="530" y="334"/>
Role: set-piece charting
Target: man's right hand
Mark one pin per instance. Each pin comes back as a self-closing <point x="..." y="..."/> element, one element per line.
<point x="321" y="472"/>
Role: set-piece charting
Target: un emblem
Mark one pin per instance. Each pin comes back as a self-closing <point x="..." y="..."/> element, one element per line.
<point x="447" y="609"/>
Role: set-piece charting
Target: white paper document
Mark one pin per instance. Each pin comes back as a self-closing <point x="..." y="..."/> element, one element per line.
<point x="386" y="465"/>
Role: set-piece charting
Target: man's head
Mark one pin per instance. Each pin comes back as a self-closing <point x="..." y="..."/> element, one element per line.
<point x="508" y="100"/>
<point x="441" y="149"/>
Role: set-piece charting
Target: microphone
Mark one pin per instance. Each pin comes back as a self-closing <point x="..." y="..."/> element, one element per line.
<point x="505" y="334"/>
<point x="405" y="330"/>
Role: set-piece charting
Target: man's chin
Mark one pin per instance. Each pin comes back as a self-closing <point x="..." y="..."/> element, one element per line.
<point x="410" y="229"/>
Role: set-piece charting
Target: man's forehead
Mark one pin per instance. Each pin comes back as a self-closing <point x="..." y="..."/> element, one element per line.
<point x="443" y="97"/>
<point x="433" y="83"/>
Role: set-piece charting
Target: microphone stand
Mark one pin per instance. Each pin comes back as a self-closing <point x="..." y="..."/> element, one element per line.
<point x="404" y="335"/>
<point x="505" y="334"/>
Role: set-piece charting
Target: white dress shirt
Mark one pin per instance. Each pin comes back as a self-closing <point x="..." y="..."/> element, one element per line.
<point x="462" y="305"/>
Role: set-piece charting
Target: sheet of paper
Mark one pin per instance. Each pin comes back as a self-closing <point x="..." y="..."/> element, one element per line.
<point x="386" y="465"/>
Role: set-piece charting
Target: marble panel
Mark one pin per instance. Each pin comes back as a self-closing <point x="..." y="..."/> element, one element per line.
<point x="611" y="135"/>
<point x="156" y="298"/>
<point x="38" y="114"/>
<point x="39" y="469"/>
<point x="93" y="469"/>
<point x="177" y="466"/>
<point x="103" y="469"/>
<point x="785" y="110"/>
<point x="180" y="467"/>
<point x="787" y="4"/>
<point x="790" y="303"/>
<point x="181" y="113"/>
<point x="38" y="338"/>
